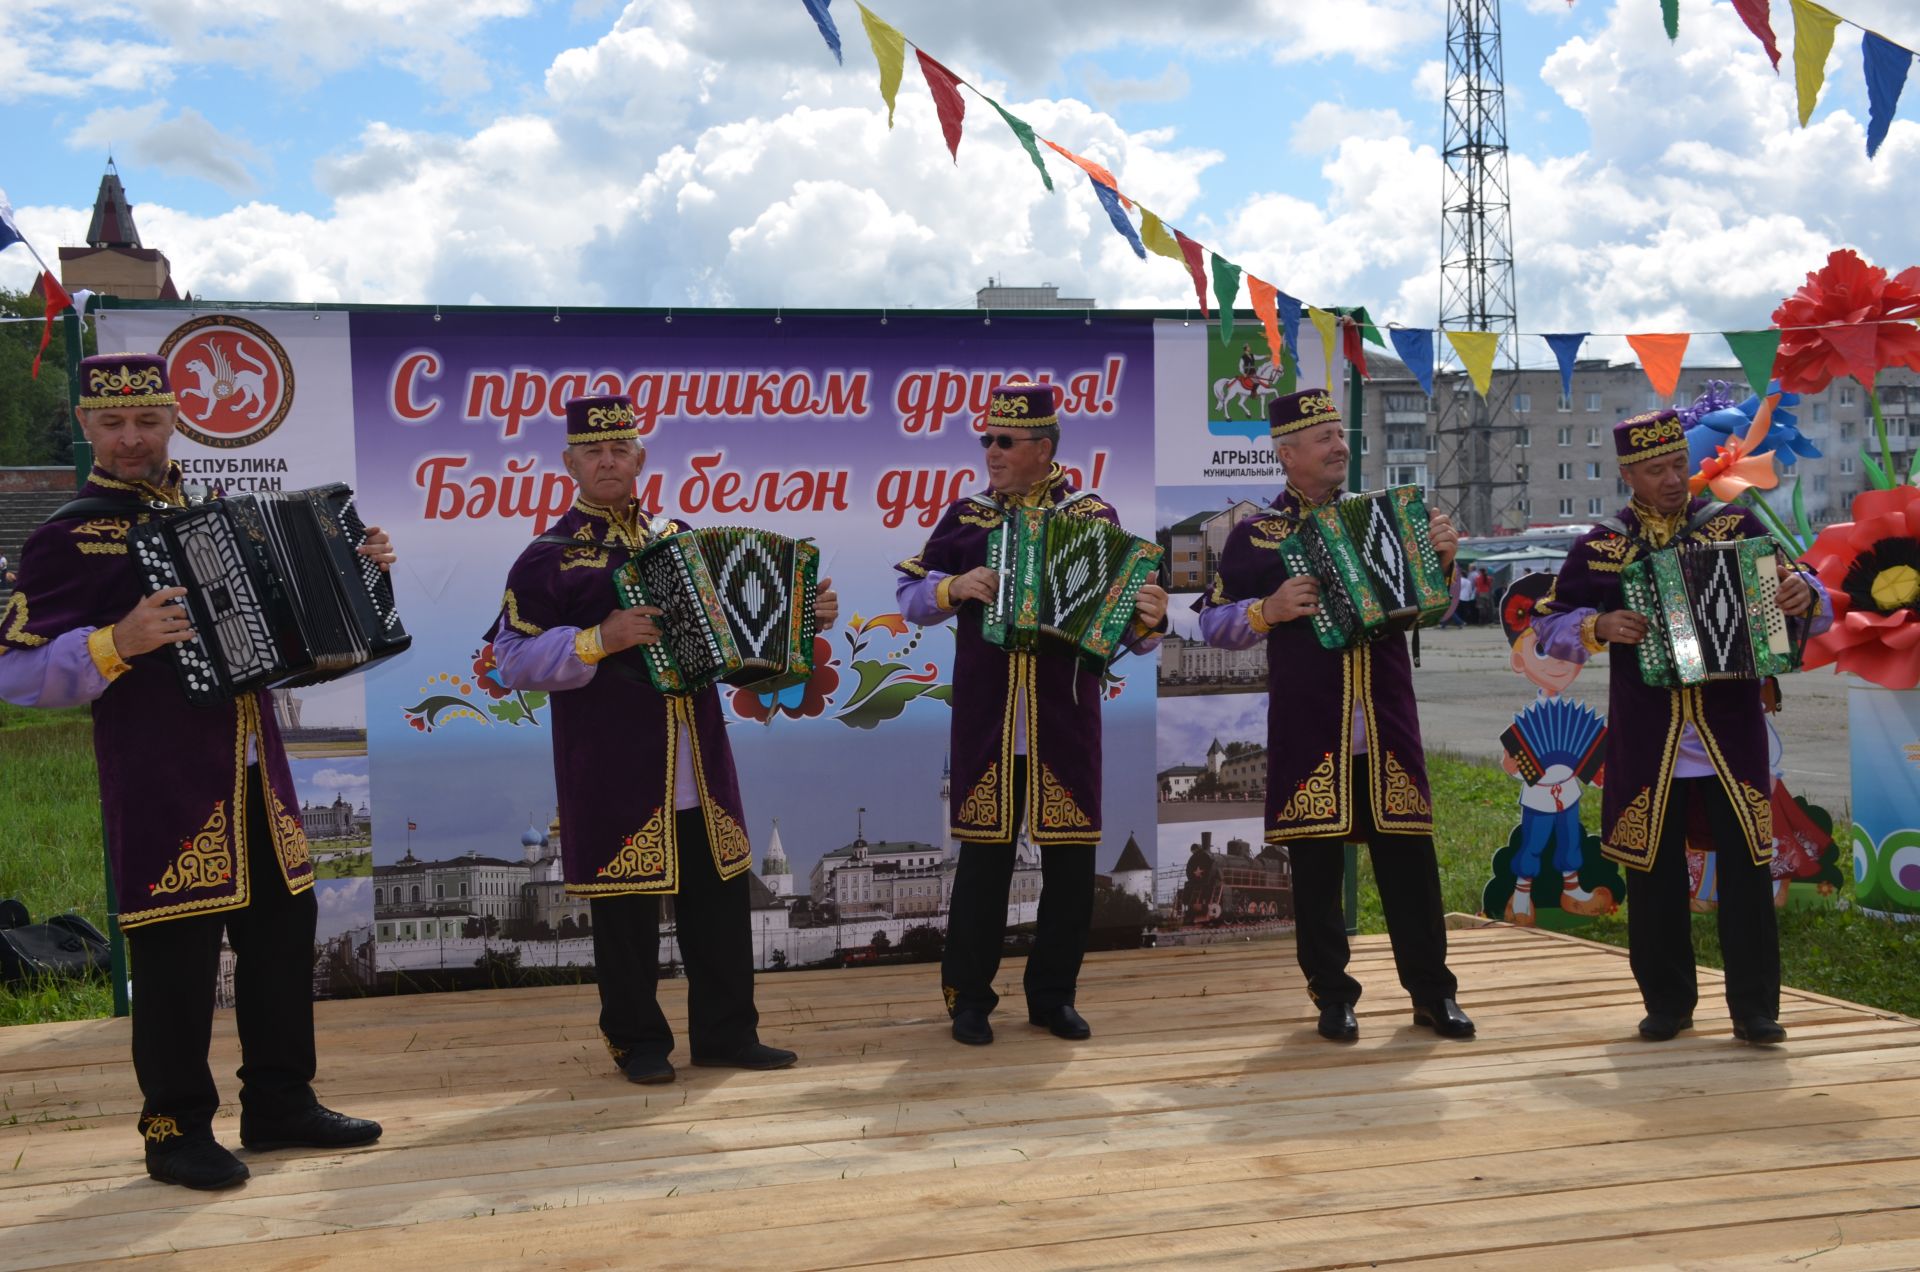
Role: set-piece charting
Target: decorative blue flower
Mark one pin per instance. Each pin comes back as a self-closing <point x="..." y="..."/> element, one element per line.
<point x="1714" y="419"/>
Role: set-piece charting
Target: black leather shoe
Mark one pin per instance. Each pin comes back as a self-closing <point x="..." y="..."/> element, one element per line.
<point x="1338" y="1023"/>
<point x="1444" y="1018"/>
<point x="1062" y="1022"/>
<point x="753" y="1056"/>
<point x="970" y="1026"/>
<point x="1759" y="1031"/>
<point x="1657" y="1026"/>
<point x="317" y="1127"/>
<point x="648" y="1070"/>
<point x="200" y="1164"/>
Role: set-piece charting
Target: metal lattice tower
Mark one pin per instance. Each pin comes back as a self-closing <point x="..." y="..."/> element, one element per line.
<point x="1475" y="436"/>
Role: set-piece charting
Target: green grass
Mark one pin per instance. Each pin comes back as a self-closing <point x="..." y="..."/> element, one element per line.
<point x="1827" y="949"/>
<point x="52" y="862"/>
<point x="50" y="825"/>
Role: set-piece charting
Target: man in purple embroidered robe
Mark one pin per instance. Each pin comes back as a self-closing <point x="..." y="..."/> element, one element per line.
<point x="1026" y="732"/>
<point x="1701" y="748"/>
<point x="201" y="817"/>
<point x="646" y="782"/>
<point x="1344" y="758"/>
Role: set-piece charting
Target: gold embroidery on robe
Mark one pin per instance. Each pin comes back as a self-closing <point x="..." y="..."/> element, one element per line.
<point x="1631" y="830"/>
<point x="13" y="621"/>
<point x="1269" y="533"/>
<point x="1724" y="526"/>
<point x="982" y="805"/>
<point x="1314" y="800"/>
<point x="1402" y="794"/>
<point x="643" y="854"/>
<point x="102" y="528"/>
<point x="204" y="860"/>
<point x="289" y="836"/>
<point x="1057" y="809"/>
<point x="986" y="521"/>
<point x="1760" y="814"/>
<point x="730" y="847"/>
<point x="514" y="620"/>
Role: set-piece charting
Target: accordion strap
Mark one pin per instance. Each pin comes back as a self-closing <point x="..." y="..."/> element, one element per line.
<point x="97" y="506"/>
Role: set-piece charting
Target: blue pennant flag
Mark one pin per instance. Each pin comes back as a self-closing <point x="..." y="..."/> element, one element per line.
<point x="824" y="20"/>
<point x="1290" y="322"/>
<point x="1416" y="350"/>
<point x="1566" y="347"/>
<point x="9" y="232"/>
<point x="1886" y="67"/>
<point x="1110" y="200"/>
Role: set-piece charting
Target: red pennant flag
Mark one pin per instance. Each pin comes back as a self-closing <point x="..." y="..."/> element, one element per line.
<point x="945" y="86"/>
<point x="1354" y="346"/>
<point x="1196" y="258"/>
<point x="1092" y="169"/>
<point x="1760" y="22"/>
<point x="57" y="301"/>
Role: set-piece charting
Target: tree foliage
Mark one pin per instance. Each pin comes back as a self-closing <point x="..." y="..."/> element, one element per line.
<point x="36" y="427"/>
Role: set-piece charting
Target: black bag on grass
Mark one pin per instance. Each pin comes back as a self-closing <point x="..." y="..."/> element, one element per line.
<point x="66" y="945"/>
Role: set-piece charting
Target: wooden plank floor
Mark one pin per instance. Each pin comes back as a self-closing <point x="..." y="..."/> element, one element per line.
<point x="1204" y="1124"/>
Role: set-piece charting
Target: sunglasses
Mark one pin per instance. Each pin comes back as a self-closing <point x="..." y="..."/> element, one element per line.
<point x="1004" y="441"/>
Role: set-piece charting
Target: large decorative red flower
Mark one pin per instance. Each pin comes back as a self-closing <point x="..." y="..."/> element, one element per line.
<point x="799" y="701"/>
<point x="486" y="673"/>
<point x="1850" y="318"/>
<point x="1871" y="567"/>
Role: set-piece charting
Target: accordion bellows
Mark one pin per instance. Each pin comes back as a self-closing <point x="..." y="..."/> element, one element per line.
<point x="1556" y="733"/>
<point x="1713" y="613"/>
<point x="736" y="607"/>
<point x="1068" y="577"/>
<point x="1375" y="561"/>
<point x="278" y="592"/>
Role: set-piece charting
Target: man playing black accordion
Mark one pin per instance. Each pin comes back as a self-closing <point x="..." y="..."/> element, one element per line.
<point x="1344" y="757"/>
<point x="1691" y="752"/>
<point x="1026" y="729"/>
<point x="202" y="819"/>
<point x="646" y="782"/>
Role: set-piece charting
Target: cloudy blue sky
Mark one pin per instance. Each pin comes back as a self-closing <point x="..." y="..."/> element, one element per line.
<point x="669" y="152"/>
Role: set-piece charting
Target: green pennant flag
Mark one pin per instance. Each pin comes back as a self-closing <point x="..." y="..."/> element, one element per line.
<point x="1670" y="12"/>
<point x="1755" y="350"/>
<point x="1226" y="289"/>
<point x="890" y="50"/>
<point x="1368" y="331"/>
<point x="1024" y="131"/>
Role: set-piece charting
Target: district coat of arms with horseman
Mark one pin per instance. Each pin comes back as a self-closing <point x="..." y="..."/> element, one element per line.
<point x="233" y="380"/>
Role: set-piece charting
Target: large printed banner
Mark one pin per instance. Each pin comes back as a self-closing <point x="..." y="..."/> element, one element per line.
<point x="427" y="786"/>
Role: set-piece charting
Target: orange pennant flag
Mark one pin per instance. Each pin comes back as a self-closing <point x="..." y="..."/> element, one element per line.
<point x="1660" y="356"/>
<point x="1266" y="298"/>
<point x="1093" y="170"/>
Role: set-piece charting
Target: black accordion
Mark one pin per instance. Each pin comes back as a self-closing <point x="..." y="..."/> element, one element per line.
<point x="277" y="590"/>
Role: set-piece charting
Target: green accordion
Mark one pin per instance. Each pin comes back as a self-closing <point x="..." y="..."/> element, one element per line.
<point x="1375" y="561"/>
<point x="1069" y="577"/>
<point x="1713" y="613"/>
<point x="736" y="607"/>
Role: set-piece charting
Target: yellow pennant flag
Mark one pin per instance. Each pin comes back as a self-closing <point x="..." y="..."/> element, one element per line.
<point x="890" y="50"/>
<point x="1154" y="234"/>
<point x="1328" y="325"/>
<point x="1812" y="41"/>
<point x="1476" y="350"/>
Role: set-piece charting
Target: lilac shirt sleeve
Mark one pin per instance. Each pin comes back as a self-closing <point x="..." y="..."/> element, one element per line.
<point x="917" y="602"/>
<point x="1226" y="626"/>
<point x="58" y="674"/>
<point x="546" y="661"/>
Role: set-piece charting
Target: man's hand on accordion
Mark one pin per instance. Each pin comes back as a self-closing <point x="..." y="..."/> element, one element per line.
<point x="1150" y="606"/>
<point x="160" y="619"/>
<point x="1796" y="598"/>
<point x="1621" y="627"/>
<point x="625" y="628"/>
<point x="378" y="548"/>
<point x="1298" y="597"/>
<point x="1445" y="539"/>
<point x="826" y="606"/>
<point x="977" y="584"/>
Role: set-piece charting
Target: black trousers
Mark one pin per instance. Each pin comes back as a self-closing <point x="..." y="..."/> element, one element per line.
<point x="977" y="919"/>
<point x="716" y="941"/>
<point x="1660" y="920"/>
<point x="175" y="965"/>
<point x="1408" y="875"/>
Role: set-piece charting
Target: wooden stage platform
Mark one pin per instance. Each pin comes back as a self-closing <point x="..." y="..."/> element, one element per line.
<point x="1203" y="1125"/>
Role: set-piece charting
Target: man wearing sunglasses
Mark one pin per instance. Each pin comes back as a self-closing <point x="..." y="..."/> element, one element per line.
<point x="1026" y="731"/>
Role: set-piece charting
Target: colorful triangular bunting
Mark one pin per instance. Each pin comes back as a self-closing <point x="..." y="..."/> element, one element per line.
<point x="952" y="108"/>
<point x="890" y="50"/>
<point x="1476" y="350"/>
<point x="1110" y="200"/>
<point x="1886" y="65"/>
<point x="1566" y="347"/>
<point x="1660" y="355"/>
<point x="1415" y="348"/>
<point x="1226" y="290"/>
